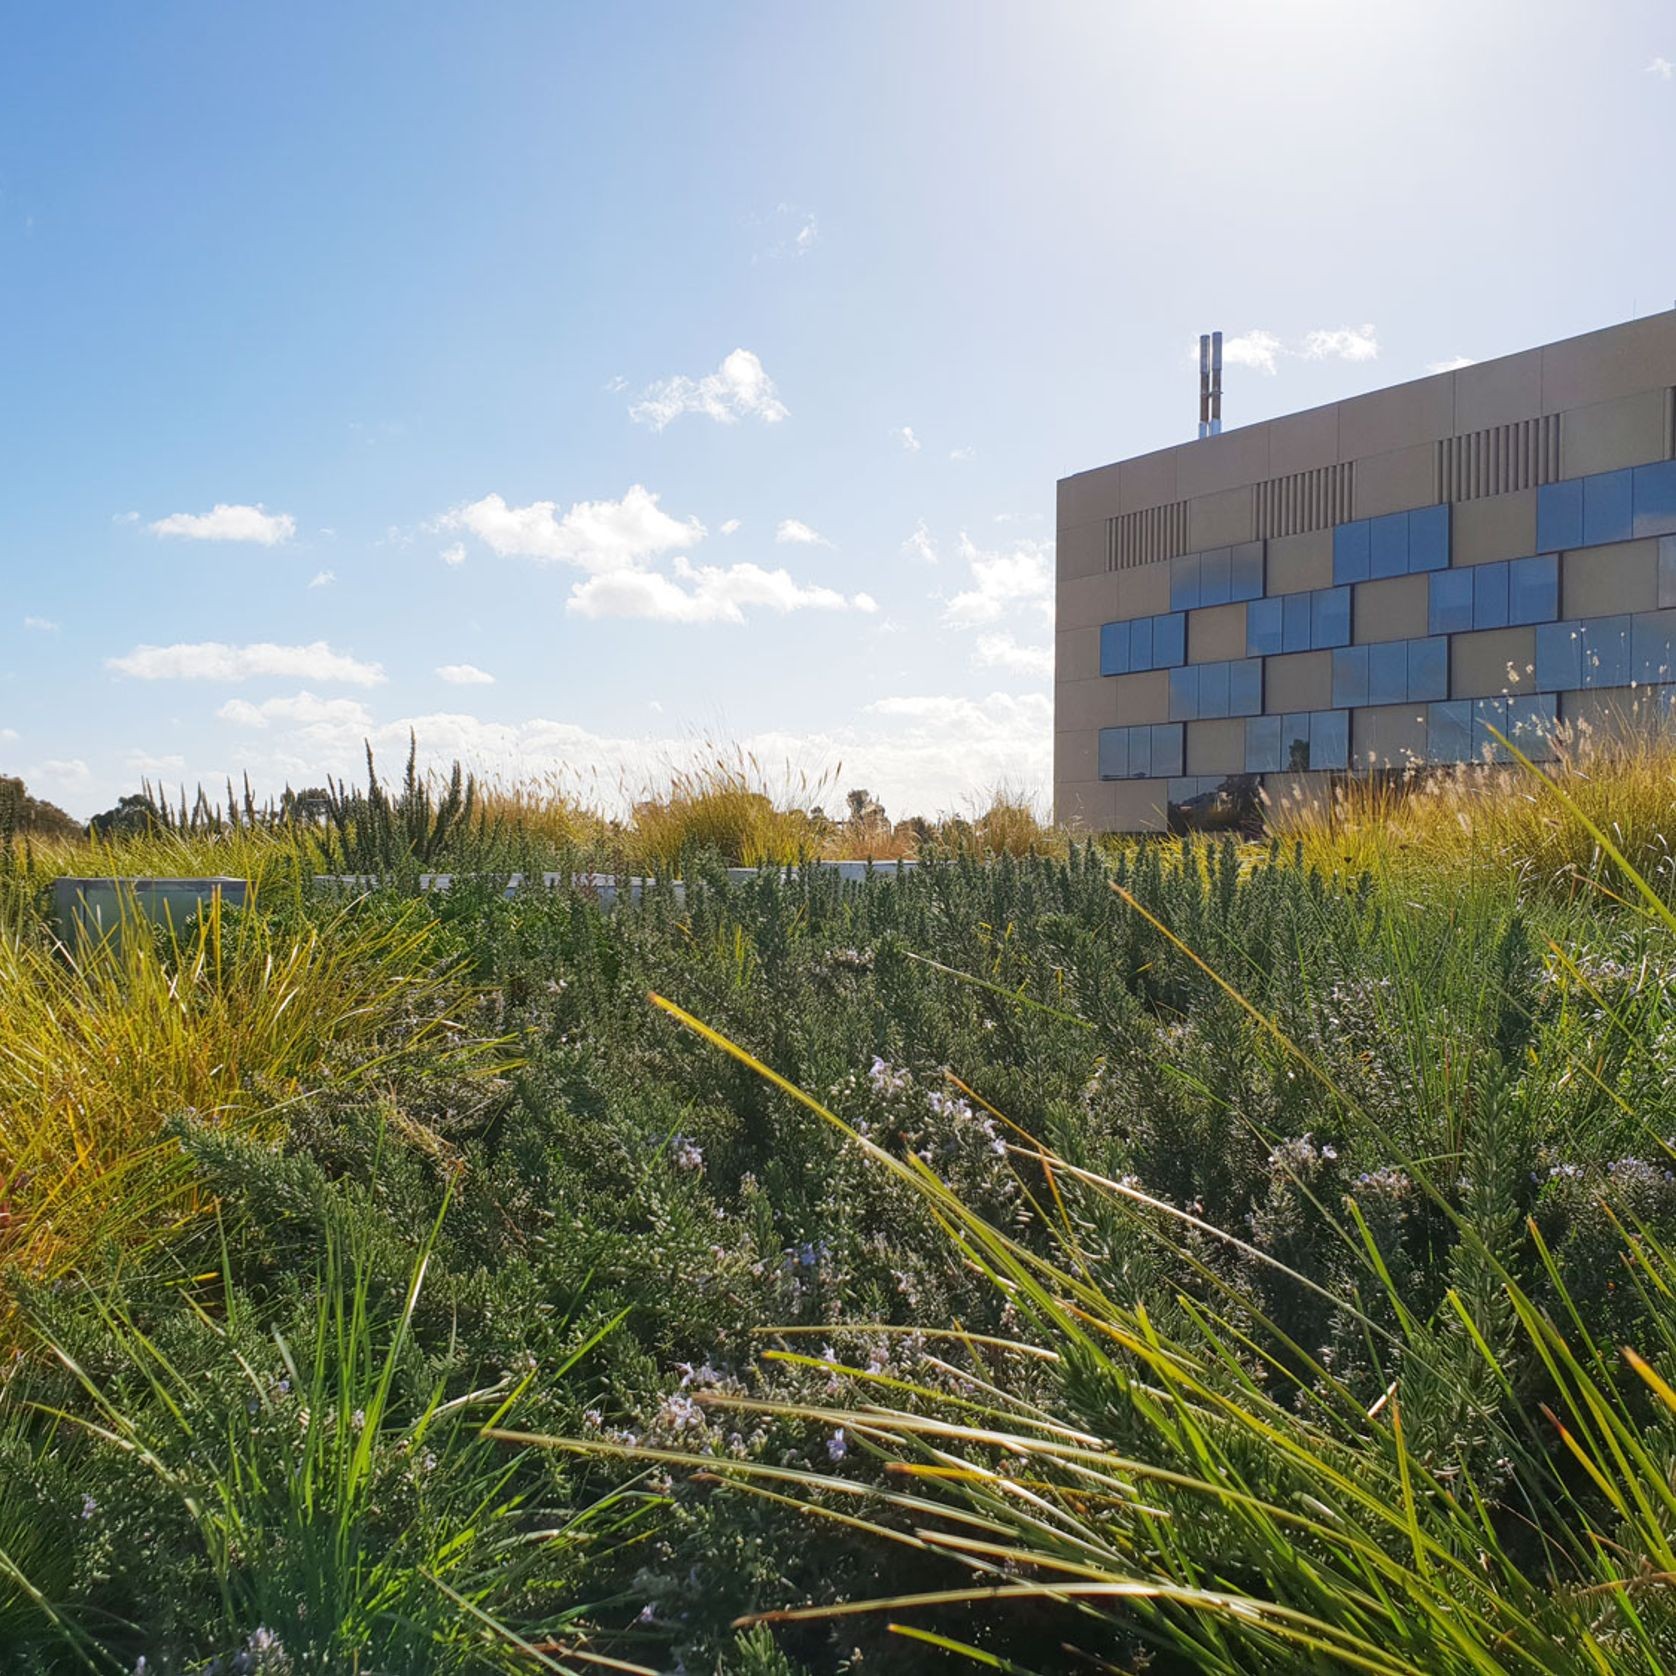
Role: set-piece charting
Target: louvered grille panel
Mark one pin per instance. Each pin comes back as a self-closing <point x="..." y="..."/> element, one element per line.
<point x="1499" y="459"/>
<point x="1305" y="500"/>
<point x="1144" y="537"/>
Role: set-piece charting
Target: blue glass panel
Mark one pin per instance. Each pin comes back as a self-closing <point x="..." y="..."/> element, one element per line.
<point x="1329" y="618"/>
<point x="1530" y="724"/>
<point x="1559" y="657"/>
<point x="1329" y="739"/>
<point x="1350" y="676"/>
<point x="1213" y="691"/>
<point x="1245" y="687"/>
<point x="1388" y="673"/>
<point x="1294" y="742"/>
<point x="1388" y="545"/>
<point x="1449" y="731"/>
<point x="1489" y="595"/>
<point x="1607" y="507"/>
<point x="1140" y="752"/>
<point x="1653" y="648"/>
<point x="1263" y="627"/>
<point x="1166" y="749"/>
<point x="1140" y="644"/>
<point x="1169" y="640"/>
<point x="1295" y="634"/>
<point x="1262" y="745"/>
<point x="1215" y="577"/>
<point x="1184" y="582"/>
<point x="1247" y="571"/>
<point x="1351" y="554"/>
<point x="1114" y="753"/>
<point x="1114" y="648"/>
<point x="1428" y="538"/>
<point x="1654" y="497"/>
<point x="1489" y="713"/>
<point x="1606" y="652"/>
<point x="1428" y="669"/>
<point x="1184" y="693"/>
<point x="1449" y="602"/>
<point x="1667" y="572"/>
<point x="1559" y="515"/>
<point x="1533" y="589"/>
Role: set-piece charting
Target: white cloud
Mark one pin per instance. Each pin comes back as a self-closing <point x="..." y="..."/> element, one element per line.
<point x="731" y="527"/>
<point x="465" y="675"/>
<point x="303" y="710"/>
<point x="737" y="389"/>
<point x="59" y="774"/>
<point x="1004" y="585"/>
<point x="616" y="383"/>
<point x="1263" y="351"/>
<point x="1662" y="68"/>
<point x="698" y="594"/>
<point x="1002" y="651"/>
<point x="963" y="454"/>
<point x="211" y="660"/>
<point x="1453" y="365"/>
<point x="8" y="735"/>
<point x="597" y="535"/>
<point x="864" y="603"/>
<point x="919" y="545"/>
<point x="905" y="436"/>
<point x="1255" y="349"/>
<point x="455" y="555"/>
<point x="1343" y="343"/>
<point x="323" y="579"/>
<point x="796" y="232"/>
<point x="795" y="530"/>
<point x="143" y="762"/>
<point x="229" y="523"/>
<point x="125" y="517"/>
<point x="41" y="625"/>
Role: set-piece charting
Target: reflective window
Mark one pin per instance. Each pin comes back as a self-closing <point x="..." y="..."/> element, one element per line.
<point x="1140" y="752"/>
<point x="1449" y="731"/>
<point x="1245" y="687"/>
<point x="1114" y="753"/>
<point x="1329" y="739"/>
<point x="1428" y="538"/>
<point x="1559" y="515"/>
<point x="1350" y="676"/>
<point x="1654" y="498"/>
<point x="1169" y="640"/>
<point x="1329" y="618"/>
<point x="1184" y="693"/>
<point x="1295" y="634"/>
<point x="1140" y="643"/>
<point x="1388" y="545"/>
<point x="1488" y="713"/>
<point x="1215" y="572"/>
<point x="1559" y="657"/>
<point x="1449" y="601"/>
<point x="1264" y="632"/>
<point x="1246" y="576"/>
<point x="1531" y="720"/>
<point x="1294" y="742"/>
<point x="1489" y="595"/>
<point x="1606" y="652"/>
<point x="1533" y="589"/>
<point x="1184" y="582"/>
<point x="1114" y="648"/>
<point x="1667" y="571"/>
<point x="1388" y="673"/>
<point x="1428" y="669"/>
<point x="1263" y="753"/>
<point x="1213" y="691"/>
<point x="1166" y="749"/>
<point x="1653" y="648"/>
<point x="1607" y="507"/>
<point x="1351" y="556"/>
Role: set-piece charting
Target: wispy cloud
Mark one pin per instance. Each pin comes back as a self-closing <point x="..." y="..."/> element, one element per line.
<point x="701" y="594"/>
<point x="1003" y="585"/>
<point x="1263" y="351"/>
<point x="795" y="233"/>
<point x="905" y="436"/>
<point x="919" y="545"/>
<point x="731" y="527"/>
<point x="323" y="579"/>
<point x="229" y="523"/>
<point x="1454" y="364"/>
<point x="962" y="455"/>
<point x="1003" y="651"/>
<point x="41" y="625"/>
<point x="212" y="660"/>
<point x="454" y="555"/>
<point x="465" y="675"/>
<point x="797" y="532"/>
<point x="303" y="709"/>
<point x="1662" y="68"/>
<point x="596" y="535"/>
<point x="738" y="389"/>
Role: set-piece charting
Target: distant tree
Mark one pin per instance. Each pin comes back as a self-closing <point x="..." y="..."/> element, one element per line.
<point x="23" y="816"/>
<point x="138" y="812"/>
<point x="867" y="814"/>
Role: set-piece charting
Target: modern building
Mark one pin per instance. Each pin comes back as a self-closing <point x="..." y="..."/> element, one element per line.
<point x="1376" y="583"/>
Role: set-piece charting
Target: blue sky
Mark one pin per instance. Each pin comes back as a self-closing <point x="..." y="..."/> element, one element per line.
<point x="578" y="383"/>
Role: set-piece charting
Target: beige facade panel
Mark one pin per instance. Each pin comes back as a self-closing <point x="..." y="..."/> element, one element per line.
<point x="1599" y="581"/>
<point x="1076" y="755"/>
<point x="1076" y="654"/>
<point x="1090" y="497"/>
<point x="1215" y="632"/>
<point x="1148" y="480"/>
<point x="1304" y="441"/>
<point x="1617" y="361"/>
<point x="1497" y="527"/>
<point x="1229" y="461"/>
<point x="1080" y="551"/>
<point x="1220" y="520"/>
<point x="1092" y="703"/>
<point x="1141" y="805"/>
<point x="1614" y="711"/>
<point x="1297" y="563"/>
<point x="1491" y="662"/>
<point x="1397" y="481"/>
<point x="1399" y="417"/>
<point x="1087" y="804"/>
<point x="1298" y="681"/>
<point x="1498" y="392"/>
<point x="1388" y="736"/>
<point x="1392" y="609"/>
<point x="1629" y="431"/>
<point x="1080" y="601"/>
<point x="1215" y="747"/>
<point x="1138" y="698"/>
<point x="1142" y="592"/>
